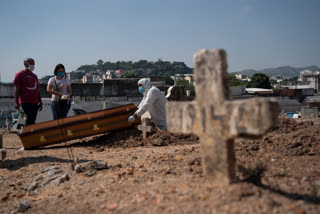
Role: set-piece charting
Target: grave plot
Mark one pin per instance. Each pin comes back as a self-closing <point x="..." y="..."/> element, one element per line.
<point x="133" y="137"/>
<point x="274" y="175"/>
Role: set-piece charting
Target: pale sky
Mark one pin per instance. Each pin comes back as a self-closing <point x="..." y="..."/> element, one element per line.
<point x="256" y="34"/>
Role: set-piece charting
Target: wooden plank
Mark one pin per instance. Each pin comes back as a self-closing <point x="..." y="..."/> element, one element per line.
<point x="70" y="128"/>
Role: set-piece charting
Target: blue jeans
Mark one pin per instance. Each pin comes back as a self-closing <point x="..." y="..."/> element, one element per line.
<point x="59" y="110"/>
<point x="31" y="111"/>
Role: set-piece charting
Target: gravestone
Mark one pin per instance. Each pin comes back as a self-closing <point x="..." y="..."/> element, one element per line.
<point x="144" y="128"/>
<point x="216" y="119"/>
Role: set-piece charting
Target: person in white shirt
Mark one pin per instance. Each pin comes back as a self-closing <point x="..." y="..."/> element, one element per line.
<point x="153" y="101"/>
<point x="60" y="88"/>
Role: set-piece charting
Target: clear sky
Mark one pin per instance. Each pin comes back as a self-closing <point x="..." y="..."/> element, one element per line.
<point x="256" y="34"/>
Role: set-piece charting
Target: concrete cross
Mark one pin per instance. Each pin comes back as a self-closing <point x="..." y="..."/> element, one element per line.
<point x="216" y="119"/>
<point x="144" y="128"/>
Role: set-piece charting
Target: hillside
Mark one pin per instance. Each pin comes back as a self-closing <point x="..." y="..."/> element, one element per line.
<point x="140" y="68"/>
<point x="285" y="71"/>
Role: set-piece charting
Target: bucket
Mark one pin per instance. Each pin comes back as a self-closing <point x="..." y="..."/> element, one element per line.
<point x="290" y="114"/>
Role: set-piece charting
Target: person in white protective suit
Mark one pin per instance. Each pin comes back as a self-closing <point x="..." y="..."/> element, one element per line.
<point x="153" y="101"/>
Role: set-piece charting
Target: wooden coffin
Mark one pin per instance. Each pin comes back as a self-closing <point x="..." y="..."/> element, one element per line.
<point x="75" y="127"/>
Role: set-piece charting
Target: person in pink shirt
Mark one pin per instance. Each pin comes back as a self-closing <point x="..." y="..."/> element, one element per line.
<point x="27" y="92"/>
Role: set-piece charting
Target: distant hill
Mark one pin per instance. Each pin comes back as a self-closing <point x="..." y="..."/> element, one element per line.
<point x="285" y="71"/>
<point x="141" y="68"/>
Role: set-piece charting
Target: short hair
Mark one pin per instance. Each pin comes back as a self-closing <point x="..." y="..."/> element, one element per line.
<point x="58" y="67"/>
<point x="28" y="61"/>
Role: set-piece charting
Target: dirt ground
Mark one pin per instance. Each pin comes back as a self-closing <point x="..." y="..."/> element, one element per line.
<point x="279" y="173"/>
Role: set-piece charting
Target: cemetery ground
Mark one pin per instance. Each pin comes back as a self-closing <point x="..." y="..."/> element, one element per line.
<point x="278" y="173"/>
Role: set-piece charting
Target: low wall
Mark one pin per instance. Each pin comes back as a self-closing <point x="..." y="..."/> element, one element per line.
<point x="307" y="112"/>
<point x="109" y="88"/>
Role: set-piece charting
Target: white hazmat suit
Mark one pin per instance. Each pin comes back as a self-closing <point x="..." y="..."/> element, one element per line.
<point x="153" y="101"/>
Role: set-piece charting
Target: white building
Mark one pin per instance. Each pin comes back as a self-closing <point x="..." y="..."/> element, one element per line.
<point x="308" y="79"/>
<point x="278" y="78"/>
<point x="242" y="77"/>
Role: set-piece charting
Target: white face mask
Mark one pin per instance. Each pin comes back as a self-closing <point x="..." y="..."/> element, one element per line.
<point x="31" y="67"/>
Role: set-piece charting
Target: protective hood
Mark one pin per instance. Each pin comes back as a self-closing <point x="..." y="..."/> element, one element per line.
<point x="146" y="84"/>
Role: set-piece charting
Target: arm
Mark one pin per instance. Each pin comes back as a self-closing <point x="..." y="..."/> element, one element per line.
<point x="151" y="97"/>
<point x="69" y="90"/>
<point x="142" y="101"/>
<point x="50" y="90"/>
<point x="39" y="100"/>
<point x="16" y="96"/>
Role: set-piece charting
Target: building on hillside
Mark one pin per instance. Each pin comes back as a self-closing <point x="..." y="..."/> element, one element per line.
<point x="308" y="79"/>
<point x="120" y="72"/>
<point x="277" y="78"/>
<point x="72" y="76"/>
<point x="97" y="79"/>
<point x="87" y="78"/>
<point x="188" y="77"/>
<point x="110" y="74"/>
<point x="242" y="77"/>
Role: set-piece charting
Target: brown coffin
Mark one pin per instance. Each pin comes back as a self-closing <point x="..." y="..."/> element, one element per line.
<point x="75" y="127"/>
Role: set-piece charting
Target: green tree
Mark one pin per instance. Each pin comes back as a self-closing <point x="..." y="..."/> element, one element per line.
<point x="129" y="74"/>
<point x="259" y="80"/>
<point x="87" y="68"/>
<point x="273" y="82"/>
<point x="233" y="81"/>
<point x="100" y="65"/>
<point x="159" y="68"/>
<point x="186" y="85"/>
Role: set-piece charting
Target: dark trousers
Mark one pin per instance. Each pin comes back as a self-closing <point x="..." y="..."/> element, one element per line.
<point x="31" y="111"/>
<point x="59" y="110"/>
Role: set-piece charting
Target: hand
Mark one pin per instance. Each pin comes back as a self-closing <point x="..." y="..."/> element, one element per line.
<point x="16" y="106"/>
<point x="64" y="97"/>
<point x="132" y="118"/>
<point x="40" y="106"/>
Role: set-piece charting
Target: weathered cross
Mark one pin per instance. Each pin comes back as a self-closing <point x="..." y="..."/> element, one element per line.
<point x="216" y="119"/>
<point x="144" y="128"/>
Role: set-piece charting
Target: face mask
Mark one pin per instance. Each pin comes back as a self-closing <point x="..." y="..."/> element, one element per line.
<point x="60" y="74"/>
<point x="31" y="67"/>
<point x="142" y="89"/>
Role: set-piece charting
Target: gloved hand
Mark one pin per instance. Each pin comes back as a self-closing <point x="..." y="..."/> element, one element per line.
<point x="64" y="97"/>
<point x="132" y="118"/>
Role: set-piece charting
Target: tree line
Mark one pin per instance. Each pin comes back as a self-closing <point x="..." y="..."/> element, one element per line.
<point x="141" y="68"/>
<point x="258" y="80"/>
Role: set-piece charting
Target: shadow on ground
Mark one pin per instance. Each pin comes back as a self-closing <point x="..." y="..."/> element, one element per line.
<point x="13" y="165"/>
<point x="254" y="175"/>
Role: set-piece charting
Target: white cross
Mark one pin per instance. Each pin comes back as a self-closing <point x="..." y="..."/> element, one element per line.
<point x="144" y="128"/>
